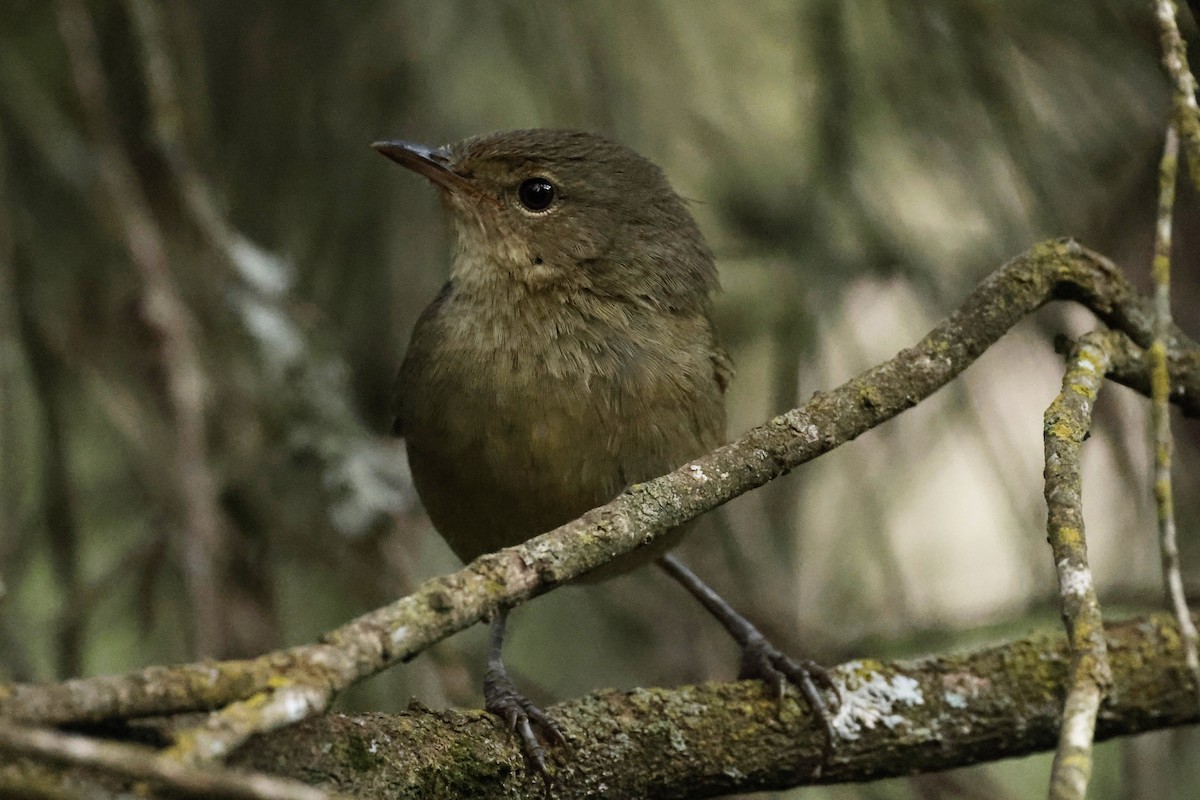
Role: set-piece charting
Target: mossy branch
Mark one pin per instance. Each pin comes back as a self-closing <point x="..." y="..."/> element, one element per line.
<point x="704" y="741"/>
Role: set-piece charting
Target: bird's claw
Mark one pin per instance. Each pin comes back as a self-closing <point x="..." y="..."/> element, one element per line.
<point x="763" y="661"/>
<point x="519" y="713"/>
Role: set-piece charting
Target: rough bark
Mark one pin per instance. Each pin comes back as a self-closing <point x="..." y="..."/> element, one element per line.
<point x="897" y="718"/>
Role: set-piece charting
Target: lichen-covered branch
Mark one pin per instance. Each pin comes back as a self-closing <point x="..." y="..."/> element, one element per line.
<point x="1160" y="383"/>
<point x="719" y="738"/>
<point x="1187" y="113"/>
<point x="291" y="684"/>
<point x="1132" y="367"/>
<point x="1068" y="422"/>
<point x="897" y="718"/>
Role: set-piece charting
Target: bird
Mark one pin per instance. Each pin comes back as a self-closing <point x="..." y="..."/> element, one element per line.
<point x="571" y="354"/>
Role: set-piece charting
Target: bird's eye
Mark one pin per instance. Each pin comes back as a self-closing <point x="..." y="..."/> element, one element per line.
<point x="536" y="194"/>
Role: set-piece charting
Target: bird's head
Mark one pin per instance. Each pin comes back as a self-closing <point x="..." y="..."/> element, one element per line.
<point x="568" y="210"/>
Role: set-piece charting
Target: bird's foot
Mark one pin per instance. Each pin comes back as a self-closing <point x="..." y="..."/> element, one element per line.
<point x="760" y="658"/>
<point x="765" y="662"/>
<point x="501" y="697"/>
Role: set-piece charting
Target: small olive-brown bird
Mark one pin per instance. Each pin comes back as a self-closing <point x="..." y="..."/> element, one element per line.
<point x="571" y="354"/>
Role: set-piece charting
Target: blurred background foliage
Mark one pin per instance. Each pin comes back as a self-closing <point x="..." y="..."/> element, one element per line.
<point x="207" y="279"/>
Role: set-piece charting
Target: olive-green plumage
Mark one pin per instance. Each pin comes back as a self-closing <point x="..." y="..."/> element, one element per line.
<point x="572" y="352"/>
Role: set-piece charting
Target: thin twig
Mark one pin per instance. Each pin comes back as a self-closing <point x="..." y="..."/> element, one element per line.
<point x="1160" y="392"/>
<point x="170" y="318"/>
<point x="141" y="763"/>
<point x="223" y="731"/>
<point x="1067" y="423"/>
<point x="1133" y="368"/>
<point x="1187" y="113"/>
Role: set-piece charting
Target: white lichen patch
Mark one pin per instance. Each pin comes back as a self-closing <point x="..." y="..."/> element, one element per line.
<point x="698" y="473"/>
<point x="870" y="698"/>
<point x="294" y="703"/>
<point x="928" y="363"/>
<point x="961" y="688"/>
<point x="1074" y="581"/>
<point x="1078" y="729"/>
<point x="806" y="431"/>
<point x="399" y="637"/>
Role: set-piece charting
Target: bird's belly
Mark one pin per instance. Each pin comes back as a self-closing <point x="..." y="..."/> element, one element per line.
<point x="496" y="468"/>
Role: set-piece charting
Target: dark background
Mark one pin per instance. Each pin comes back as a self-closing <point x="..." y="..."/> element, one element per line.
<point x="857" y="167"/>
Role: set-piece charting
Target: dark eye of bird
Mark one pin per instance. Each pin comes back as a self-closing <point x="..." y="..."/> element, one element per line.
<point x="536" y="194"/>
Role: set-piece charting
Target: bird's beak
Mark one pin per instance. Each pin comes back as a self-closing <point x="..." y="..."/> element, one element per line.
<point x="431" y="162"/>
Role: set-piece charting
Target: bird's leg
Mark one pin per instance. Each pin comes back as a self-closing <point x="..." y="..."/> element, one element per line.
<point x="760" y="658"/>
<point x="501" y="697"/>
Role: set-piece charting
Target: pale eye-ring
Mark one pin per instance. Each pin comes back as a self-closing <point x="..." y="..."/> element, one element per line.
<point x="536" y="194"/>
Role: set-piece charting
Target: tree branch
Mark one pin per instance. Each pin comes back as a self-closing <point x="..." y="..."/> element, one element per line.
<point x="1164" y="446"/>
<point x="1068" y="421"/>
<point x="1187" y="113"/>
<point x="898" y="718"/>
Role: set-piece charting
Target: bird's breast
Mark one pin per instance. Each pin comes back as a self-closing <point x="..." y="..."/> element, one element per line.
<point x="521" y="419"/>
